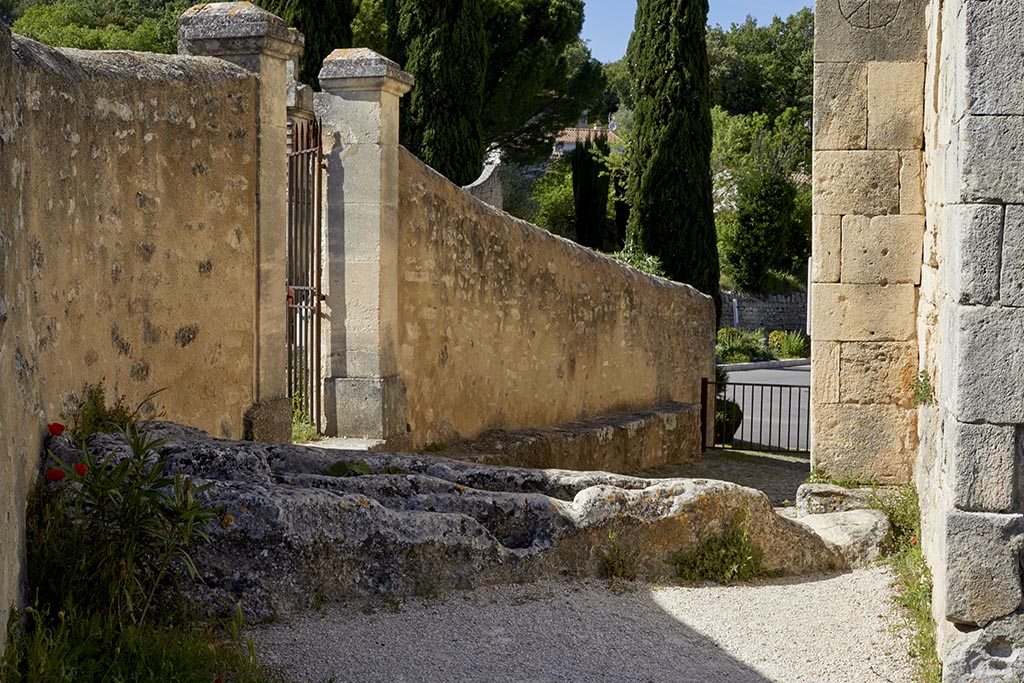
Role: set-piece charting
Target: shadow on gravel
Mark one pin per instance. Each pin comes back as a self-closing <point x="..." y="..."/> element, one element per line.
<point x="563" y="633"/>
<point x="779" y="476"/>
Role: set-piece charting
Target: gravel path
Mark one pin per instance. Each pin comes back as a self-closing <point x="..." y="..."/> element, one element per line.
<point x="836" y="629"/>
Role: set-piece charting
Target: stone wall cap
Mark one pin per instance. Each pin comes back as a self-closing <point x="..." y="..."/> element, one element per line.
<point x="361" y="62"/>
<point x="228" y="20"/>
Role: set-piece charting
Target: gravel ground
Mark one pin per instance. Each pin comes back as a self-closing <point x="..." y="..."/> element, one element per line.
<point x="829" y="630"/>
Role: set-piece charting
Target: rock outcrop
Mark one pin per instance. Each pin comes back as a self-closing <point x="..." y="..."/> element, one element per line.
<point x="290" y="536"/>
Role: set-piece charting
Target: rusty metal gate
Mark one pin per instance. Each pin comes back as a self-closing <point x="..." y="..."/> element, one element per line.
<point x="305" y="185"/>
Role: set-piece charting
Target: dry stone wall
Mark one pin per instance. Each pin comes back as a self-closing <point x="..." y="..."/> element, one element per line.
<point x="786" y="311"/>
<point x="869" y="69"/>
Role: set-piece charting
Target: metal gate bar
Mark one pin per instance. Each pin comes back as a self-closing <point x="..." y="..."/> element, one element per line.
<point x="786" y="428"/>
<point x="305" y="187"/>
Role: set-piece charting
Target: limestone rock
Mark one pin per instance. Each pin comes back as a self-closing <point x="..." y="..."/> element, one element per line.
<point x="994" y="654"/>
<point x="289" y="536"/>
<point x="982" y="558"/>
<point x="818" y="499"/>
<point x="859" y="536"/>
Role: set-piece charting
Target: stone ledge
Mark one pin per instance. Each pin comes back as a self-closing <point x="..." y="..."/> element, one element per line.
<point x="618" y="442"/>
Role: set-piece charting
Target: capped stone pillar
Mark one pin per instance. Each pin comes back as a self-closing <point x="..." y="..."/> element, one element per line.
<point x="244" y="34"/>
<point x="363" y="396"/>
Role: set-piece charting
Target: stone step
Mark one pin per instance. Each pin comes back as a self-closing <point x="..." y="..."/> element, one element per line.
<point x="623" y="442"/>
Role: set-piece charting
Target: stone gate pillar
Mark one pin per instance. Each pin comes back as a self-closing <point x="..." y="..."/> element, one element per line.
<point x="869" y="74"/>
<point x="363" y="395"/>
<point x="241" y="33"/>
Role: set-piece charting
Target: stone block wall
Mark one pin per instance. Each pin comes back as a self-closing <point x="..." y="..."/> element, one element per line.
<point x="972" y="335"/>
<point x="868" y="231"/>
<point x="129" y="247"/>
<point x="445" y="317"/>
<point x="894" y="291"/>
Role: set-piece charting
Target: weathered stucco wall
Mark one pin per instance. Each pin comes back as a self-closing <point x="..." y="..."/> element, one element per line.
<point x="501" y="324"/>
<point x="127" y="217"/>
<point x="869" y="69"/>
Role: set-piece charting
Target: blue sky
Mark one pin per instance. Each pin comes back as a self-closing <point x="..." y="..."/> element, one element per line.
<point x="609" y="22"/>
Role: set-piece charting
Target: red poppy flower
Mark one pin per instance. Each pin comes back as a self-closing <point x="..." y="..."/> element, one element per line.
<point x="53" y="474"/>
<point x="81" y="469"/>
<point x="105" y="610"/>
<point x="218" y="680"/>
<point x="56" y="428"/>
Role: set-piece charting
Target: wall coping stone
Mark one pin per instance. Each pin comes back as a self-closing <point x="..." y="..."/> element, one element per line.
<point x="236" y="28"/>
<point x="360" y="68"/>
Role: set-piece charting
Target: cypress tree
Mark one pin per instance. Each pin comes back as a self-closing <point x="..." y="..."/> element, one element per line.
<point x="590" y="183"/>
<point x="443" y="44"/>
<point x="326" y="24"/>
<point x="672" y="210"/>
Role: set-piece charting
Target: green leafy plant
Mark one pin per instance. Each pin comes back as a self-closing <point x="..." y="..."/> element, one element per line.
<point x="913" y="581"/>
<point x="728" y="418"/>
<point x="126" y="524"/>
<point x="738" y="346"/>
<point x="91" y="414"/>
<point x="924" y="393"/>
<point x="109" y="542"/>
<point x="635" y="257"/>
<point x="616" y="563"/>
<point x="789" y="344"/>
<point x="723" y="558"/>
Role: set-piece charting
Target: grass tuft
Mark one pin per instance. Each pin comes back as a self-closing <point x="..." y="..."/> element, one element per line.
<point x="729" y="556"/>
<point x="913" y="580"/>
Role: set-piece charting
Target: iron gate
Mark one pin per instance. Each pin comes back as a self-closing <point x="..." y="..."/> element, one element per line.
<point x="757" y="417"/>
<point x="305" y="185"/>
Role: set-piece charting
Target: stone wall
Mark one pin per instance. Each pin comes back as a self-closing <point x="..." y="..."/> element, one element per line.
<point x="488" y="188"/>
<point x="445" y="317"/>
<point x="787" y="311"/>
<point x="961" y="324"/>
<point x="504" y="325"/>
<point x="869" y="69"/>
<point x="129" y="241"/>
<point x="972" y="329"/>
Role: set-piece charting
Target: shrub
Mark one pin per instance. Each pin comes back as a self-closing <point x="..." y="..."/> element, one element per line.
<point x="635" y="257"/>
<point x="108" y="542"/>
<point x="789" y="344"/>
<point x="737" y="346"/>
<point x="728" y="418"/>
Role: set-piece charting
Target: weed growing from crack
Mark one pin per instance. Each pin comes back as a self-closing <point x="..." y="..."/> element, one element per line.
<point x="729" y="556"/>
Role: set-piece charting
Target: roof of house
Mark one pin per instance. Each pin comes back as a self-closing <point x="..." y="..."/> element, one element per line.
<point x="573" y="136"/>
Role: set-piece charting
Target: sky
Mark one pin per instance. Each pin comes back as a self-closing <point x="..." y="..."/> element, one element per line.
<point x="608" y="23"/>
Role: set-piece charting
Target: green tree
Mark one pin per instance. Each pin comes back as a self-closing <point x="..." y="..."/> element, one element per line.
<point x="590" y="182"/>
<point x="765" y="69"/>
<point x="539" y="74"/>
<point x="553" y="196"/>
<point x="539" y="77"/>
<point x="326" y="24"/>
<point x="670" y="193"/>
<point x="98" y="25"/>
<point x="764" y="216"/>
<point x="442" y="44"/>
